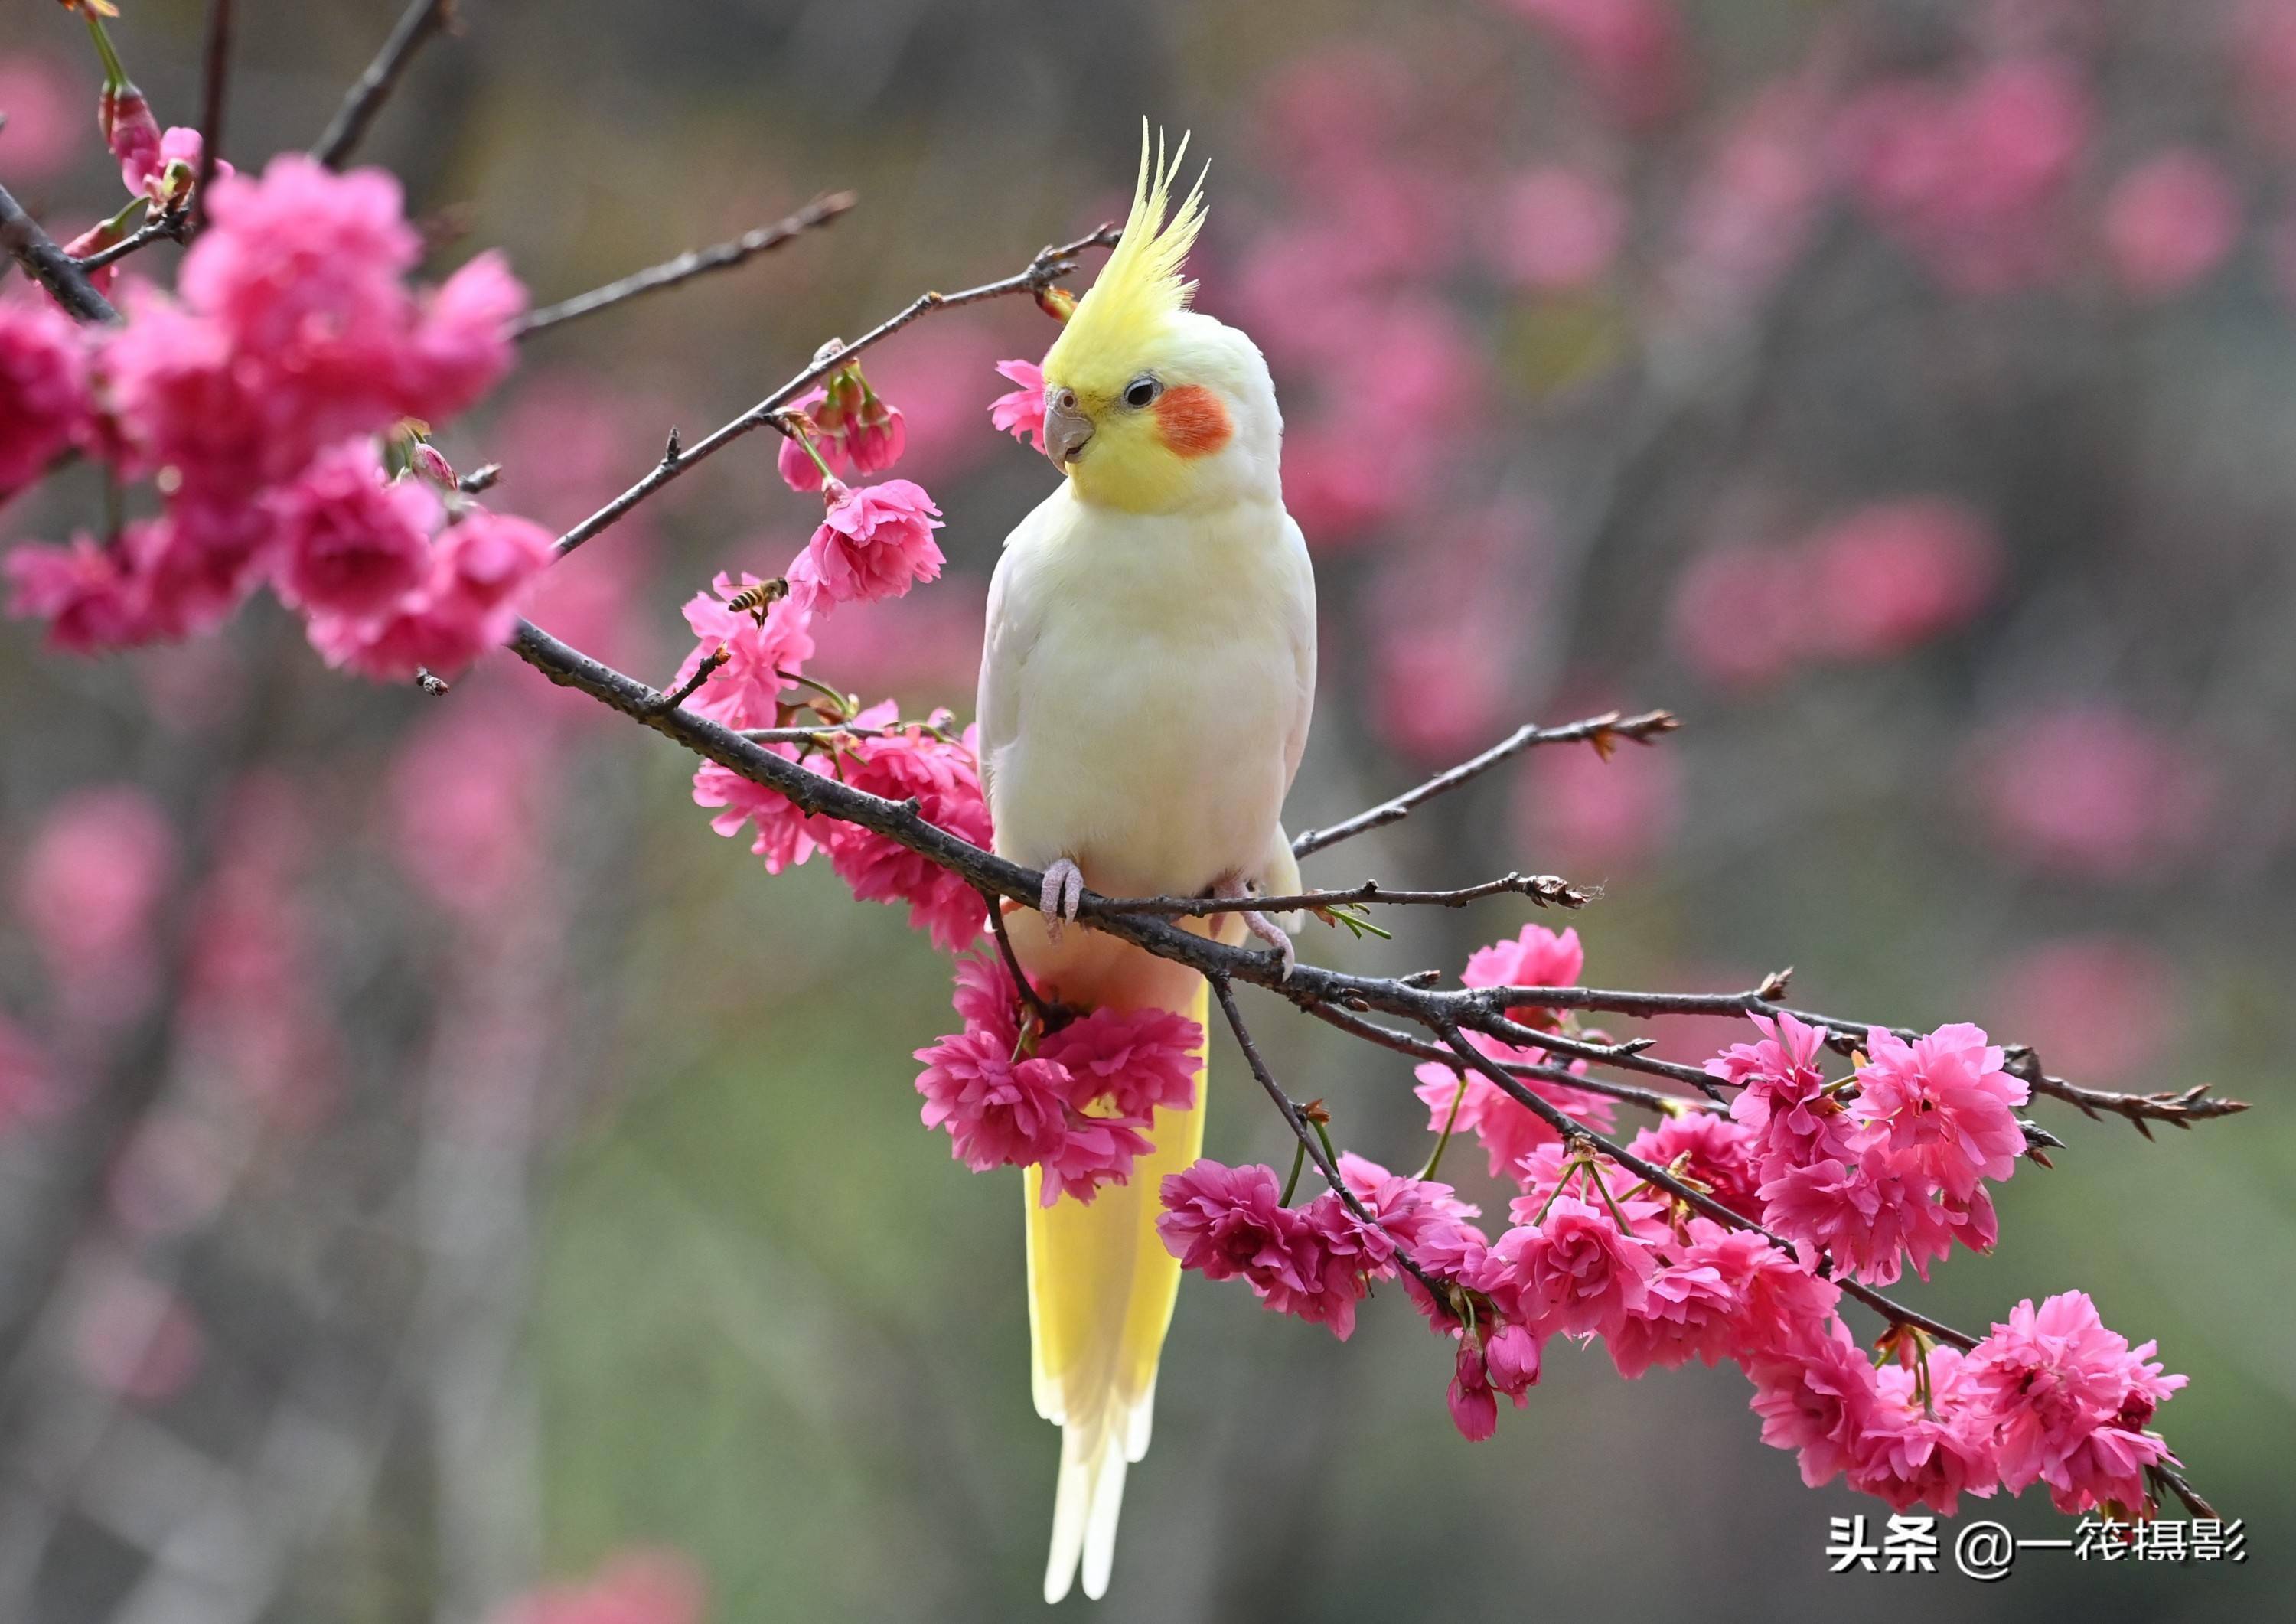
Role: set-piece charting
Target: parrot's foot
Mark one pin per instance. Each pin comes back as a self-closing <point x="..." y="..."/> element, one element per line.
<point x="1229" y="887"/>
<point x="1062" y="895"/>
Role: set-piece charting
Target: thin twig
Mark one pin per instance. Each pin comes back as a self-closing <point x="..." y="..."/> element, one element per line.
<point x="1047" y="1015"/>
<point x="1047" y="268"/>
<point x="2178" y="1108"/>
<point x="55" y="269"/>
<point x="1419" y="1048"/>
<point x="479" y="480"/>
<point x="175" y="225"/>
<point x="703" y="673"/>
<point x="1309" y="1141"/>
<point x="696" y="262"/>
<point x="215" y="92"/>
<point x="364" y="99"/>
<point x="1603" y="731"/>
<point x="1699" y="1201"/>
<point x="1545" y="890"/>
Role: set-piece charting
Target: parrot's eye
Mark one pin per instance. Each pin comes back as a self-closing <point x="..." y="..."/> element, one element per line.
<point x="1143" y="391"/>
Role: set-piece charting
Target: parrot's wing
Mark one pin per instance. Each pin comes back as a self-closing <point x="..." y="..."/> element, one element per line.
<point x="1006" y="643"/>
<point x="1301" y="628"/>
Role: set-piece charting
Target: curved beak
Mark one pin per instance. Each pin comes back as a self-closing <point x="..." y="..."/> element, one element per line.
<point x="1066" y="427"/>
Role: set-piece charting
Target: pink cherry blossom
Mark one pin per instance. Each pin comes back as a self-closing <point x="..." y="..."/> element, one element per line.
<point x="89" y="887"/>
<point x="1945" y="1099"/>
<point x="1139" y="1060"/>
<point x="1780" y="1305"/>
<point x="84" y="591"/>
<point x="746" y="691"/>
<point x="1783" y="1100"/>
<point x="999" y="1111"/>
<point x="1708" y="1149"/>
<point x="1890" y="577"/>
<point x="2092" y="790"/>
<point x="875" y="438"/>
<point x="1815" y="1399"/>
<point x="131" y="131"/>
<point x="480" y="567"/>
<point x="1225" y="1222"/>
<point x="1972" y="179"/>
<point x="876" y="542"/>
<point x="1417" y="1212"/>
<point x="1021" y="413"/>
<point x="1686" y="1313"/>
<point x="44" y="394"/>
<point x="1573" y="1272"/>
<point x="1538" y="957"/>
<point x="1511" y="1362"/>
<point x="785" y="836"/>
<point x="1911" y="1454"/>
<point x="1336" y="1255"/>
<point x="2072" y="1398"/>
<point x="1475" y="1409"/>
<point x="944" y="777"/>
<point x="2170" y="221"/>
<point x="1559" y="229"/>
<point x="1870" y="1213"/>
<point x="351" y="542"/>
<point x="1742" y="615"/>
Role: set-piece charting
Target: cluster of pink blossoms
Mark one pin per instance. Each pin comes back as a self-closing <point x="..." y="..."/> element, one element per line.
<point x="848" y="424"/>
<point x="252" y="402"/>
<point x="1508" y="1129"/>
<point x="752" y="687"/>
<point x="1072" y="1102"/>
<point x="1858" y="1176"/>
<point x="1889" y="1167"/>
<point x="1874" y="584"/>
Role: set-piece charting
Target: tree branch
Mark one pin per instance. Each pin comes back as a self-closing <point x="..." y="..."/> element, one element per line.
<point x="2180" y="1110"/>
<point x="1047" y="268"/>
<point x="55" y="269"/>
<point x="1546" y="889"/>
<point x="695" y="262"/>
<point x="1603" y="731"/>
<point x="215" y="91"/>
<point x="1310" y="1140"/>
<point x="364" y="99"/>
<point x="175" y="225"/>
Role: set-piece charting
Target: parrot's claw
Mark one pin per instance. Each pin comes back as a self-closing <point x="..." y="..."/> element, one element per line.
<point x="1276" y="937"/>
<point x="1062" y="896"/>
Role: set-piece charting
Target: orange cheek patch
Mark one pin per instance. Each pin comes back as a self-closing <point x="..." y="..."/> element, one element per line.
<point x="1192" y="421"/>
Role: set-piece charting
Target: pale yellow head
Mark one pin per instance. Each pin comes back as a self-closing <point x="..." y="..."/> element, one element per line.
<point x="1151" y="406"/>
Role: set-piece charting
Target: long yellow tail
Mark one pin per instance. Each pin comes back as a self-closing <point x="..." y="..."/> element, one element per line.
<point x="1100" y="1288"/>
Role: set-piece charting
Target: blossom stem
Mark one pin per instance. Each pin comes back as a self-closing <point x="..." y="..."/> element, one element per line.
<point x="1435" y="1157"/>
<point x="1298" y="1161"/>
<point x="793" y="424"/>
<point x="115" y="77"/>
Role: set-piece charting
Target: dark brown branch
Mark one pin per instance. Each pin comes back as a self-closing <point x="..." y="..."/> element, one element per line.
<point x="702" y="672"/>
<point x="2180" y="1110"/>
<point x="175" y="225"/>
<point x="55" y="270"/>
<point x="1603" y="731"/>
<point x="1047" y="268"/>
<point x="1047" y="1016"/>
<point x="215" y="92"/>
<point x="1310" y="1140"/>
<point x="1419" y="1048"/>
<point x="696" y="262"/>
<point x="364" y="99"/>
<point x="1697" y="1199"/>
<point x="1545" y="890"/>
<point x="479" y="480"/>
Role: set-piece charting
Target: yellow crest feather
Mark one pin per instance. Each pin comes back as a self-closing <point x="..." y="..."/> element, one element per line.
<point x="1141" y="287"/>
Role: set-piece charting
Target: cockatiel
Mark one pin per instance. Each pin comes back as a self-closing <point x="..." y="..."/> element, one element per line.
<point x="1145" y="687"/>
